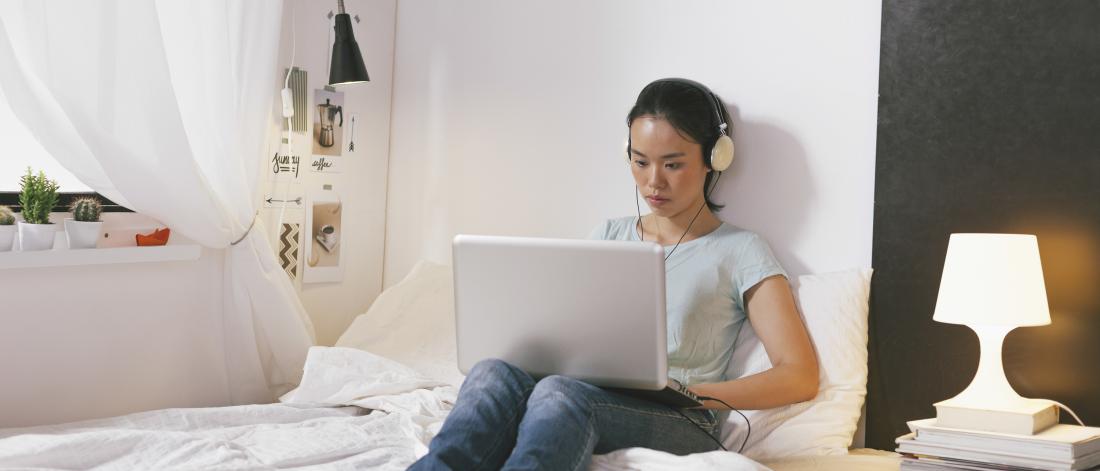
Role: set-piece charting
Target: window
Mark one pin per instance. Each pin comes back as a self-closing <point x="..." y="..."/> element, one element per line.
<point x="18" y="150"/>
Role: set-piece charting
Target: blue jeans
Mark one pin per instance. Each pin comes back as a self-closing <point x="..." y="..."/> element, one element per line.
<point x="504" y="419"/>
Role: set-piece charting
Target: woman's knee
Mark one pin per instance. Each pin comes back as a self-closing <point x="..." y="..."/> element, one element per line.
<point x="561" y="397"/>
<point x="560" y="386"/>
<point x="495" y="370"/>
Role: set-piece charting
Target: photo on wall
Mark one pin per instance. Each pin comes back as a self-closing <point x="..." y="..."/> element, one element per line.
<point x="324" y="237"/>
<point x="328" y="122"/>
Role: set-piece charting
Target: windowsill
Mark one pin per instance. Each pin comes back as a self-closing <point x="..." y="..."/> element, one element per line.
<point x="115" y="247"/>
<point x="63" y="257"/>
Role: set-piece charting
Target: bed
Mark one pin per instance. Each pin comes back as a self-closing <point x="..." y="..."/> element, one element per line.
<point x="376" y="398"/>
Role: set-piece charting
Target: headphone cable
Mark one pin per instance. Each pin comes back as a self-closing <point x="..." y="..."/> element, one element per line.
<point x="748" y="424"/>
<point x="748" y="431"/>
<point x="638" y="206"/>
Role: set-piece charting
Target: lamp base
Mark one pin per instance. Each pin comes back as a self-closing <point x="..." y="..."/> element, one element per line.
<point x="1023" y="417"/>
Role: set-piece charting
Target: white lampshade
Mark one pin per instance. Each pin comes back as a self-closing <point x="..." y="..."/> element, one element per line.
<point x="992" y="280"/>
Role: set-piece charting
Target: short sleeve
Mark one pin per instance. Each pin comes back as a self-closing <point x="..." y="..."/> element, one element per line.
<point x="600" y="232"/>
<point x="755" y="264"/>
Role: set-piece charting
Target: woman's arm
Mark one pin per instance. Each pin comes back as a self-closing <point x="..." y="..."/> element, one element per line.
<point x="793" y="376"/>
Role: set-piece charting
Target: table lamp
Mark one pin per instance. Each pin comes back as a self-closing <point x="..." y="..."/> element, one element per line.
<point x="993" y="283"/>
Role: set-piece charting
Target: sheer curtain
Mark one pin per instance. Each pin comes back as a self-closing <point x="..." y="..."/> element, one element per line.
<point x="163" y="107"/>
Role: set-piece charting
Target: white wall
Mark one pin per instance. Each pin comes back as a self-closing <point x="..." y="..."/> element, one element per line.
<point x="509" y="118"/>
<point x="362" y="184"/>
<point x="80" y="342"/>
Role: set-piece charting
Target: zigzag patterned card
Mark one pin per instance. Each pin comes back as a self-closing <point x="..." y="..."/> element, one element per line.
<point x="288" y="248"/>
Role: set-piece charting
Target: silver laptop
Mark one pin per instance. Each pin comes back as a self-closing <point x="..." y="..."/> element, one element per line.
<point x="593" y="310"/>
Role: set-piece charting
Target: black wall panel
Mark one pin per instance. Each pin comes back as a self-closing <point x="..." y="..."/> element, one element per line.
<point x="989" y="121"/>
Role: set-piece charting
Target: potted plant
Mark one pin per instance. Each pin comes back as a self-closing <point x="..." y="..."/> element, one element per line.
<point x="7" y="228"/>
<point x="84" y="228"/>
<point x="37" y="195"/>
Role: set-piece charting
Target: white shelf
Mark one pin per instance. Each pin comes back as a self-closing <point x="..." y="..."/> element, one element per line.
<point x="99" y="256"/>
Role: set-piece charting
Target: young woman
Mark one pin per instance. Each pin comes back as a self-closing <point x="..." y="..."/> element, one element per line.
<point x="717" y="275"/>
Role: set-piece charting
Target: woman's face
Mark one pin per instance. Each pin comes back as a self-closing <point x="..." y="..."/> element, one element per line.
<point x="668" y="168"/>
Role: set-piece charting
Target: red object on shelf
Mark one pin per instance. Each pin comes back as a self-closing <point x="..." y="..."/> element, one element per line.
<point x="157" y="237"/>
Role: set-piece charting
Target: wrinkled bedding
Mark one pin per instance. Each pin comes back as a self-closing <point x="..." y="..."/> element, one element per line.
<point x="353" y="410"/>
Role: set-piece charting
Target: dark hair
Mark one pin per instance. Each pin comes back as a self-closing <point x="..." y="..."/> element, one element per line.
<point x="688" y="107"/>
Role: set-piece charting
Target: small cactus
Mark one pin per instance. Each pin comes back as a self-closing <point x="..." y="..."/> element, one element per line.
<point x="86" y="209"/>
<point x="7" y="217"/>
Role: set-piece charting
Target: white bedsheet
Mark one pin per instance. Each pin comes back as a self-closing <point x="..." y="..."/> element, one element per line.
<point x="353" y="410"/>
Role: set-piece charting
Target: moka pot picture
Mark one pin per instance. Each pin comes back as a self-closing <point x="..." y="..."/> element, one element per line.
<point x="328" y="122"/>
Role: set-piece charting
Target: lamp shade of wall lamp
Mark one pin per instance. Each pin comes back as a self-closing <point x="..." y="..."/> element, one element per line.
<point x="993" y="283"/>
<point x="347" y="62"/>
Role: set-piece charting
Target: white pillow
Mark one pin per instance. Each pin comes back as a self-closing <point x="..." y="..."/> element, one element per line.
<point x="413" y="323"/>
<point x="834" y="307"/>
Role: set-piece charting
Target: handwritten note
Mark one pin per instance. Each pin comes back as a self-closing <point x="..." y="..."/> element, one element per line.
<point x="326" y="164"/>
<point x="282" y="164"/>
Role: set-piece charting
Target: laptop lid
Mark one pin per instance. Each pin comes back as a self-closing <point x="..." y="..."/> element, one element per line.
<point x="589" y="309"/>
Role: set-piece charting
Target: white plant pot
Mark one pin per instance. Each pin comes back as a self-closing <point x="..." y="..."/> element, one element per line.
<point x="36" y="236"/>
<point x="7" y="237"/>
<point x="82" y="235"/>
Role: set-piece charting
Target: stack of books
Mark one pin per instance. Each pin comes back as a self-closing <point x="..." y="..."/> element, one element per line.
<point x="1058" y="447"/>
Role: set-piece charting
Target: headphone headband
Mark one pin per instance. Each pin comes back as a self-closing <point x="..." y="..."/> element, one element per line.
<point x="722" y="126"/>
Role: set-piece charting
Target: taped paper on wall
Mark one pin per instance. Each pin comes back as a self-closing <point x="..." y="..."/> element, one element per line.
<point x="325" y="238"/>
<point x="328" y="122"/>
<point x="326" y="164"/>
<point x="288" y="248"/>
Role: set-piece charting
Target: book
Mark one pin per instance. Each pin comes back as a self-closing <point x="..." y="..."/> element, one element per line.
<point x="927" y="463"/>
<point x="1027" y="416"/>
<point x="1061" y="441"/>
<point x="907" y="444"/>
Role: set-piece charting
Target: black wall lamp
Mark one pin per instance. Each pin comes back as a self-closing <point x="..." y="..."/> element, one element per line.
<point x="347" y="62"/>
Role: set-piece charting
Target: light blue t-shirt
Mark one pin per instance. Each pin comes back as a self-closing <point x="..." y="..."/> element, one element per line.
<point x="705" y="284"/>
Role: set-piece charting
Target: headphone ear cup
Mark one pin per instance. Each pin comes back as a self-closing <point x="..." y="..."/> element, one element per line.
<point x="721" y="156"/>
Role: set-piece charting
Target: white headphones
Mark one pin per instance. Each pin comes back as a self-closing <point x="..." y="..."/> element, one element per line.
<point x="721" y="154"/>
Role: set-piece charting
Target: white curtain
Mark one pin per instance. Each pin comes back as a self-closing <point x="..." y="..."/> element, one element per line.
<point x="163" y="106"/>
